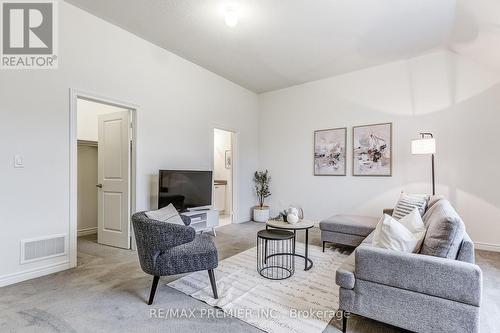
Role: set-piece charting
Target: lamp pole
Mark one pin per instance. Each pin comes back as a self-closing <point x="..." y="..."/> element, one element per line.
<point x="433" y="181"/>
<point x="423" y="136"/>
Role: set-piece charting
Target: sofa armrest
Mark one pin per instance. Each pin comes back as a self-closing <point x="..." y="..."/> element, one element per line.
<point x="466" y="251"/>
<point x="446" y="278"/>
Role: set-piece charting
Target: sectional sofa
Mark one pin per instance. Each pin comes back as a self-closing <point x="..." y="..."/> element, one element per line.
<point x="435" y="290"/>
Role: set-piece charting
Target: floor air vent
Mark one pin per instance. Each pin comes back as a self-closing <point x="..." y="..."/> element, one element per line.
<point x="42" y="248"/>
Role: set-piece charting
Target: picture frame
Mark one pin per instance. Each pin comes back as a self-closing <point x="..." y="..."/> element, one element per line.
<point x="228" y="159"/>
<point x="372" y="150"/>
<point x="330" y="147"/>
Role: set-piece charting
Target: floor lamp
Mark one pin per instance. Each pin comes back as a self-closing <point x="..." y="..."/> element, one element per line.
<point x="426" y="145"/>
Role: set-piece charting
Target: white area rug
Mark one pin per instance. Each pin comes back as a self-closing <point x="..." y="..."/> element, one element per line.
<point x="305" y="302"/>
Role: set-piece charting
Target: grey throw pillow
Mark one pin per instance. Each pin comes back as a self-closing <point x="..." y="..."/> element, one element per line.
<point x="434" y="199"/>
<point x="445" y="231"/>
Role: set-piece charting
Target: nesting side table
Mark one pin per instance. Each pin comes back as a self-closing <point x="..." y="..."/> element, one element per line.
<point x="301" y="225"/>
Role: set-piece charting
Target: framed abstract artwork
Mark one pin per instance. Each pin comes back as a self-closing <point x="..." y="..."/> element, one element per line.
<point x="372" y="150"/>
<point x="330" y="152"/>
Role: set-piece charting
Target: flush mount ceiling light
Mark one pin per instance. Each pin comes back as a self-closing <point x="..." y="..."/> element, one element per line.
<point x="231" y="17"/>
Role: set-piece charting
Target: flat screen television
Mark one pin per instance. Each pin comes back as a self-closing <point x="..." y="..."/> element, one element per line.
<point x="185" y="189"/>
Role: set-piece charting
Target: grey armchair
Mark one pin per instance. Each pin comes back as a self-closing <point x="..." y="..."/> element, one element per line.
<point x="169" y="249"/>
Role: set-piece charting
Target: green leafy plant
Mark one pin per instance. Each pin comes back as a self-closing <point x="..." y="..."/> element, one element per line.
<point x="262" y="180"/>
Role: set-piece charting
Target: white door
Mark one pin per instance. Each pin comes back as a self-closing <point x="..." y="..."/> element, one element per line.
<point x="113" y="220"/>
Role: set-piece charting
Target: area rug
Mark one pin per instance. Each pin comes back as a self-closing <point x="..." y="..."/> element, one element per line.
<point x="305" y="302"/>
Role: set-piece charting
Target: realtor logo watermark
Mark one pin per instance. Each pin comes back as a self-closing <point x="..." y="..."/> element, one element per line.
<point x="29" y="34"/>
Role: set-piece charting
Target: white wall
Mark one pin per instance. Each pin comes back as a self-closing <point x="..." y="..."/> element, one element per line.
<point x="179" y="104"/>
<point x="456" y="99"/>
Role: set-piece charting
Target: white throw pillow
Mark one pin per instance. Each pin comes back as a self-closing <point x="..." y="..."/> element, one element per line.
<point x="405" y="235"/>
<point x="166" y="214"/>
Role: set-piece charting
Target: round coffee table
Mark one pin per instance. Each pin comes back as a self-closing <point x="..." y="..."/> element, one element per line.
<point x="301" y="225"/>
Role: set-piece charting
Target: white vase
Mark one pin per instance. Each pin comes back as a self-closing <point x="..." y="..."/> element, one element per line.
<point x="293" y="210"/>
<point x="292" y="218"/>
<point x="261" y="214"/>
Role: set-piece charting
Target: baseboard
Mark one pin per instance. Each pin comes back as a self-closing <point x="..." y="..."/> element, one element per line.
<point x="87" y="231"/>
<point x="33" y="273"/>
<point x="487" y="246"/>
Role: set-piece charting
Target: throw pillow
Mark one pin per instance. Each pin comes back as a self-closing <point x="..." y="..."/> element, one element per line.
<point x="416" y="225"/>
<point x="445" y="231"/>
<point x="434" y="199"/>
<point x="407" y="202"/>
<point x="166" y="214"/>
<point x="405" y="235"/>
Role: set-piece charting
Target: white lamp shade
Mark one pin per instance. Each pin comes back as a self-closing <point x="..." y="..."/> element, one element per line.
<point x="423" y="146"/>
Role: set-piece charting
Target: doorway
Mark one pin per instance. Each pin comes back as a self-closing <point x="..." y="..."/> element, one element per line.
<point x="102" y="171"/>
<point x="223" y="166"/>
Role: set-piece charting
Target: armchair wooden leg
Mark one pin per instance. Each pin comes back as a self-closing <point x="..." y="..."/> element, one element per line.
<point x="211" y="275"/>
<point x="345" y="314"/>
<point x="324" y="246"/>
<point x="153" y="289"/>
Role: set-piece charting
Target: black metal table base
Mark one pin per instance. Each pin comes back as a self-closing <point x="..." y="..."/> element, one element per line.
<point x="269" y="275"/>
<point x="308" y="263"/>
<point x="275" y="260"/>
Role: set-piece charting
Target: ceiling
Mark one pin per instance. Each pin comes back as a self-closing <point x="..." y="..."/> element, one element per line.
<point x="280" y="43"/>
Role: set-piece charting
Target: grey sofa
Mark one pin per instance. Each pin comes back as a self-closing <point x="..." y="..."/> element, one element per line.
<point x="348" y="230"/>
<point x="436" y="290"/>
<point x="170" y="249"/>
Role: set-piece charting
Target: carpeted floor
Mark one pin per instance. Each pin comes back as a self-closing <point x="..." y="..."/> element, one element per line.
<point x="107" y="293"/>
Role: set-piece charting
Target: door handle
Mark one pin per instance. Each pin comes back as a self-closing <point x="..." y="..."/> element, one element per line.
<point x="99" y="185"/>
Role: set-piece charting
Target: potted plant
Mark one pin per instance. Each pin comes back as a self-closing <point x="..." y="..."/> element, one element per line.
<point x="262" y="180"/>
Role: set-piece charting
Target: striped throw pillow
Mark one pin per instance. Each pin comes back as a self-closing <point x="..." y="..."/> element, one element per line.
<point x="408" y="202"/>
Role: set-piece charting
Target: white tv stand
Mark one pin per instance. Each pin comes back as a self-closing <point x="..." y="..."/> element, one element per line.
<point x="203" y="219"/>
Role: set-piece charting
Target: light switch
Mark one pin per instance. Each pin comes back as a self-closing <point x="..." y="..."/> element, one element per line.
<point x="18" y="161"/>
